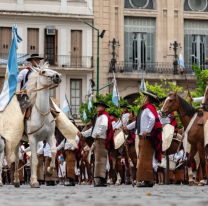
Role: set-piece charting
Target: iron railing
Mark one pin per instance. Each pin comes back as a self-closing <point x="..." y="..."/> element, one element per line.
<point x="68" y="61"/>
<point x="129" y="67"/>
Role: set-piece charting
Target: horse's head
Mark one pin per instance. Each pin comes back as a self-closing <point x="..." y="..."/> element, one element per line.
<point x="48" y="77"/>
<point x="171" y="104"/>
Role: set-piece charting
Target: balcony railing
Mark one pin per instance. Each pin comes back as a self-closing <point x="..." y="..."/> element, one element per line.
<point x="128" y="67"/>
<point x="67" y="61"/>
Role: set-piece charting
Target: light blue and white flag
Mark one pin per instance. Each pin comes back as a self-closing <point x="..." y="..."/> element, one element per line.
<point x="89" y="104"/>
<point x="84" y="115"/>
<point x="180" y="61"/>
<point x="10" y="83"/>
<point x="143" y="85"/>
<point x="65" y="107"/>
<point x="115" y="95"/>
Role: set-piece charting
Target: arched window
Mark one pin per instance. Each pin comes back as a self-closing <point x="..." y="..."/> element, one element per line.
<point x="196" y="5"/>
<point x="140" y="4"/>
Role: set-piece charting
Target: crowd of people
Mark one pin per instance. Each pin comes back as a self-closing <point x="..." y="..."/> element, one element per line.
<point x="93" y="160"/>
<point x="110" y="150"/>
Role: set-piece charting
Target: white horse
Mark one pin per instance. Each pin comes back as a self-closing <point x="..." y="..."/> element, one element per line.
<point x="40" y="126"/>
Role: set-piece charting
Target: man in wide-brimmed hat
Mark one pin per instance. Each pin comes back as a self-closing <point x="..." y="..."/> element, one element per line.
<point x="23" y="75"/>
<point x="102" y="131"/>
<point x="149" y="130"/>
<point x="124" y="116"/>
<point x="113" y="117"/>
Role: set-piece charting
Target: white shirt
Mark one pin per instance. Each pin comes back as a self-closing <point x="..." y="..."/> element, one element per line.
<point x="22" y="75"/>
<point x="125" y="118"/>
<point x="164" y="120"/>
<point x="46" y="150"/>
<point x="62" y="170"/>
<point x="198" y="99"/>
<point x="114" y="124"/>
<point x="4" y="161"/>
<point x="40" y="144"/>
<point x="177" y="156"/>
<point x="100" y="128"/>
<point x="68" y="145"/>
<point x="147" y="122"/>
<point x="21" y="155"/>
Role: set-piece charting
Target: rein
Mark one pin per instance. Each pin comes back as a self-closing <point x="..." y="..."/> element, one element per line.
<point x="167" y="111"/>
<point x="43" y="114"/>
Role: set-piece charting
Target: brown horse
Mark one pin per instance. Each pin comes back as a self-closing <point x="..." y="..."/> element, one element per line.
<point x="85" y="152"/>
<point x="195" y="135"/>
<point x="115" y="164"/>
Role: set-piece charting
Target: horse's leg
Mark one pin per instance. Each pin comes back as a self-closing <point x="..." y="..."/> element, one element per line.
<point x="2" y="146"/>
<point x="34" y="162"/>
<point x="192" y="153"/>
<point x="51" y="143"/>
<point x="201" y="151"/>
<point x="16" y="173"/>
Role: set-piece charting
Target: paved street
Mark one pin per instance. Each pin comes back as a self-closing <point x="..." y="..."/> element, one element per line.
<point x="88" y="195"/>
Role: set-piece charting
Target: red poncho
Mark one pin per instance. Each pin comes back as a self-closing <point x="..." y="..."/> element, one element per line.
<point x="173" y="121"/>
<point x="156" y="134"/>
<point x="110" y="145"/>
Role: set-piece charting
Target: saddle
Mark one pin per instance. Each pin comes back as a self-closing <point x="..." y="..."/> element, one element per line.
<point x="26" y="108"/>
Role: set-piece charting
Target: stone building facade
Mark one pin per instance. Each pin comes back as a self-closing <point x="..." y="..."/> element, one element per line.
<point x="145" y="29"/>
<point x="52" y="29"/>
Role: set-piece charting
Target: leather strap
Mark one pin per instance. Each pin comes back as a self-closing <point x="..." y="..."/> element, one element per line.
<point x="43" y="114"/>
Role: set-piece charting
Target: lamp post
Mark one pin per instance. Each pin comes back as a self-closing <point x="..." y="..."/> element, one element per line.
<point x="98" y="54"/>
<point x="113" y="43"/>
<point x="175" y="46"/>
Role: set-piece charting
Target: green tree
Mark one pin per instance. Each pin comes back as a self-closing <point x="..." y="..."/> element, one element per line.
<point x="161" y="90"/>
<point x="100" y="97"/>
<point x="201" y="83"/>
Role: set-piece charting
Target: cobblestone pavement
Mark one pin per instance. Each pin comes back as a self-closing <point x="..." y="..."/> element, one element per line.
<point x="88" y="195"/>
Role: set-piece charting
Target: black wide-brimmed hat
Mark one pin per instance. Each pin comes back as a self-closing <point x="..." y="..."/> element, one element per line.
<point x="162" y="99"/>
<point x="113" y="114"/>
<point x="101" y="103"/>
<point x="152" y="94"/>
<point x="126" y="105"/>
<point x="34" y="56"/>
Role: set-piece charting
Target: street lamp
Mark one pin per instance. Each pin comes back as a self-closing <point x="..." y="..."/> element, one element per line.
<point x="98" y="54"/>
<point x="113" y="43"/>
<point x="175" y="46"/>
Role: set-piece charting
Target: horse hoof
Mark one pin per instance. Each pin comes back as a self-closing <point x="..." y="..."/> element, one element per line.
<point x="16" y="184"/>
<point x="88" y="183"/>
<point x="191" y="183"/>
<point x="201" y="183"/>
<point x="1" y="184"/>
<point x="117" y="184"/>
<point x="48" y="172"/>
<point x="35" y="185"/>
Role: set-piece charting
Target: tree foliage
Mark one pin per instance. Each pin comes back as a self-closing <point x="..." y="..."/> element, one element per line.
<point x="201" y="83"/>
<point x="100" y="97"/>
<point x="161" y="90"/>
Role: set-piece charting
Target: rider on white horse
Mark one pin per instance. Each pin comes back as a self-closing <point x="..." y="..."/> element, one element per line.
<point x="23" y="75"/>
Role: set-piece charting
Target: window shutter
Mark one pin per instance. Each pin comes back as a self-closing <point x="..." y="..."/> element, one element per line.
<point x="44" y="45"/>
<point x="188" y="50"/>
<point x="206" y="50"/>
<point x="150" y="52"/>
<point x="128" y="46"/>
<point x="56" y="47"/>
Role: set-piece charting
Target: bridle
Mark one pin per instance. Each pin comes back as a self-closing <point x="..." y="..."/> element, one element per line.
<point x="166" y="113"/>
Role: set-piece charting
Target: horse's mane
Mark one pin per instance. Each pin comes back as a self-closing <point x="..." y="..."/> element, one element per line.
<point x="31" y="86"/>
<point x="189" y="110"/>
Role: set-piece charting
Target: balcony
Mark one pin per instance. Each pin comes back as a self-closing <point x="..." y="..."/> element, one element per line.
<point x="163" y="68"/>
<point x="58" y="61"/>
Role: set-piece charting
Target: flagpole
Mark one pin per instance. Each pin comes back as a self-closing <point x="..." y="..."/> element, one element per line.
<point x="70" y="108"/>
<point x="126" y="146"/>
